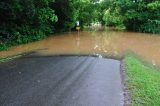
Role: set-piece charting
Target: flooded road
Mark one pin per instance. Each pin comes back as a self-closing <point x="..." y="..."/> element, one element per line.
<point x="101" y="43"/>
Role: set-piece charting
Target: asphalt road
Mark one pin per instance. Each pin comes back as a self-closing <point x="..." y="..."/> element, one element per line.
<point x="61" y="81"/>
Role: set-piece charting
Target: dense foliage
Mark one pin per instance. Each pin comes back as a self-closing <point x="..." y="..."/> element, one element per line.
<point x="69" y="11"/>
<point x="23" y="21"/>
<point x="66" y="15"/>
<point x="135" y="15"/>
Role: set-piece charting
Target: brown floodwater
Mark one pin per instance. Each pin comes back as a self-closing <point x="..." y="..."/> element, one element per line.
<point x="100" y="43"/>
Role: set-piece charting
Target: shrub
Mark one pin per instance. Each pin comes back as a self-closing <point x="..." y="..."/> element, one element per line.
<point x="113" y="19"/>
<point x="152" y="26"/>
<point x="3" y="47"/>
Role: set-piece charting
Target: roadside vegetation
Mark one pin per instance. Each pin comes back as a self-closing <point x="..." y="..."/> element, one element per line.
<point x="134" y="15"/>
<point x="6" y="59"/>
<point x="143" y="82"/>
<point x="24" y="21"/>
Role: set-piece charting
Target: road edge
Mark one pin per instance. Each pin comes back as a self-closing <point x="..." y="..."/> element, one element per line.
<point x="126" y="94"/>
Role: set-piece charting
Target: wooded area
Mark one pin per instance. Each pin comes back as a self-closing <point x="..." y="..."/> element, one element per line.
<point x="24" y="21"/>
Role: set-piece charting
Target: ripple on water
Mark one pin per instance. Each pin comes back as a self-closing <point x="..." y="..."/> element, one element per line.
<point x="100" y="42"/>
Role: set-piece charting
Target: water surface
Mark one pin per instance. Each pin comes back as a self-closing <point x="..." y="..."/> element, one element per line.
<point x="101" y="43"/>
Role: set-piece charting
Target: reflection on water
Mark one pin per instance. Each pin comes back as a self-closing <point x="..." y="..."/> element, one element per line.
<point x="100" y="43"/>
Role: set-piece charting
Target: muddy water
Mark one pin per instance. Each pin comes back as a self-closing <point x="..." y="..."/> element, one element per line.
<point x="101" y="43"/>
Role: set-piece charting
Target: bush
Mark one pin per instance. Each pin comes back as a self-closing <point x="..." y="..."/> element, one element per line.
<point x="113" y="19"/>
<point x="23" y="21"/>
<point x="152" y="26"/>
<point x="3" y="47"/>
<point x="27" y="34"/>
<point x="133" y="14"/>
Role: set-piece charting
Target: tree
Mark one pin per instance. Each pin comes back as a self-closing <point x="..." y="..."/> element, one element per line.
<point x="135" y="15"/>
<point x="23" y="21"/>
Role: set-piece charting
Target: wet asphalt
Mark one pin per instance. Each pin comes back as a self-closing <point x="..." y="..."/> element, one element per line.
<point x="61" y="81"/>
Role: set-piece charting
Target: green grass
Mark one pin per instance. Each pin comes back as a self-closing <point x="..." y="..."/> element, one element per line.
<point x="143" y="82"/>
<point x="6" y="59"/>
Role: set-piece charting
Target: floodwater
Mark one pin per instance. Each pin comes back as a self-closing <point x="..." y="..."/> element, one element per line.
<point x="100" y="43"/>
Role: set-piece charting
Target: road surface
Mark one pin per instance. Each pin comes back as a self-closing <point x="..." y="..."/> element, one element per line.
<point x="61" y="81"/>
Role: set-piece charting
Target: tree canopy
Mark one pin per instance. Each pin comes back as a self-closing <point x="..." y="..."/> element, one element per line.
<point x="23" y="21"/>
<point x="134" y="15"/>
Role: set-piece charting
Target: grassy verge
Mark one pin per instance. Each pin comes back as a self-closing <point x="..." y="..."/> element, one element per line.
<point x="9" y="58"/>
<point x="143" y="83"/>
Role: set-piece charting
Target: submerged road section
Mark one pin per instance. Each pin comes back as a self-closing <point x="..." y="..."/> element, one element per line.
<point x="61" y="81"/>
